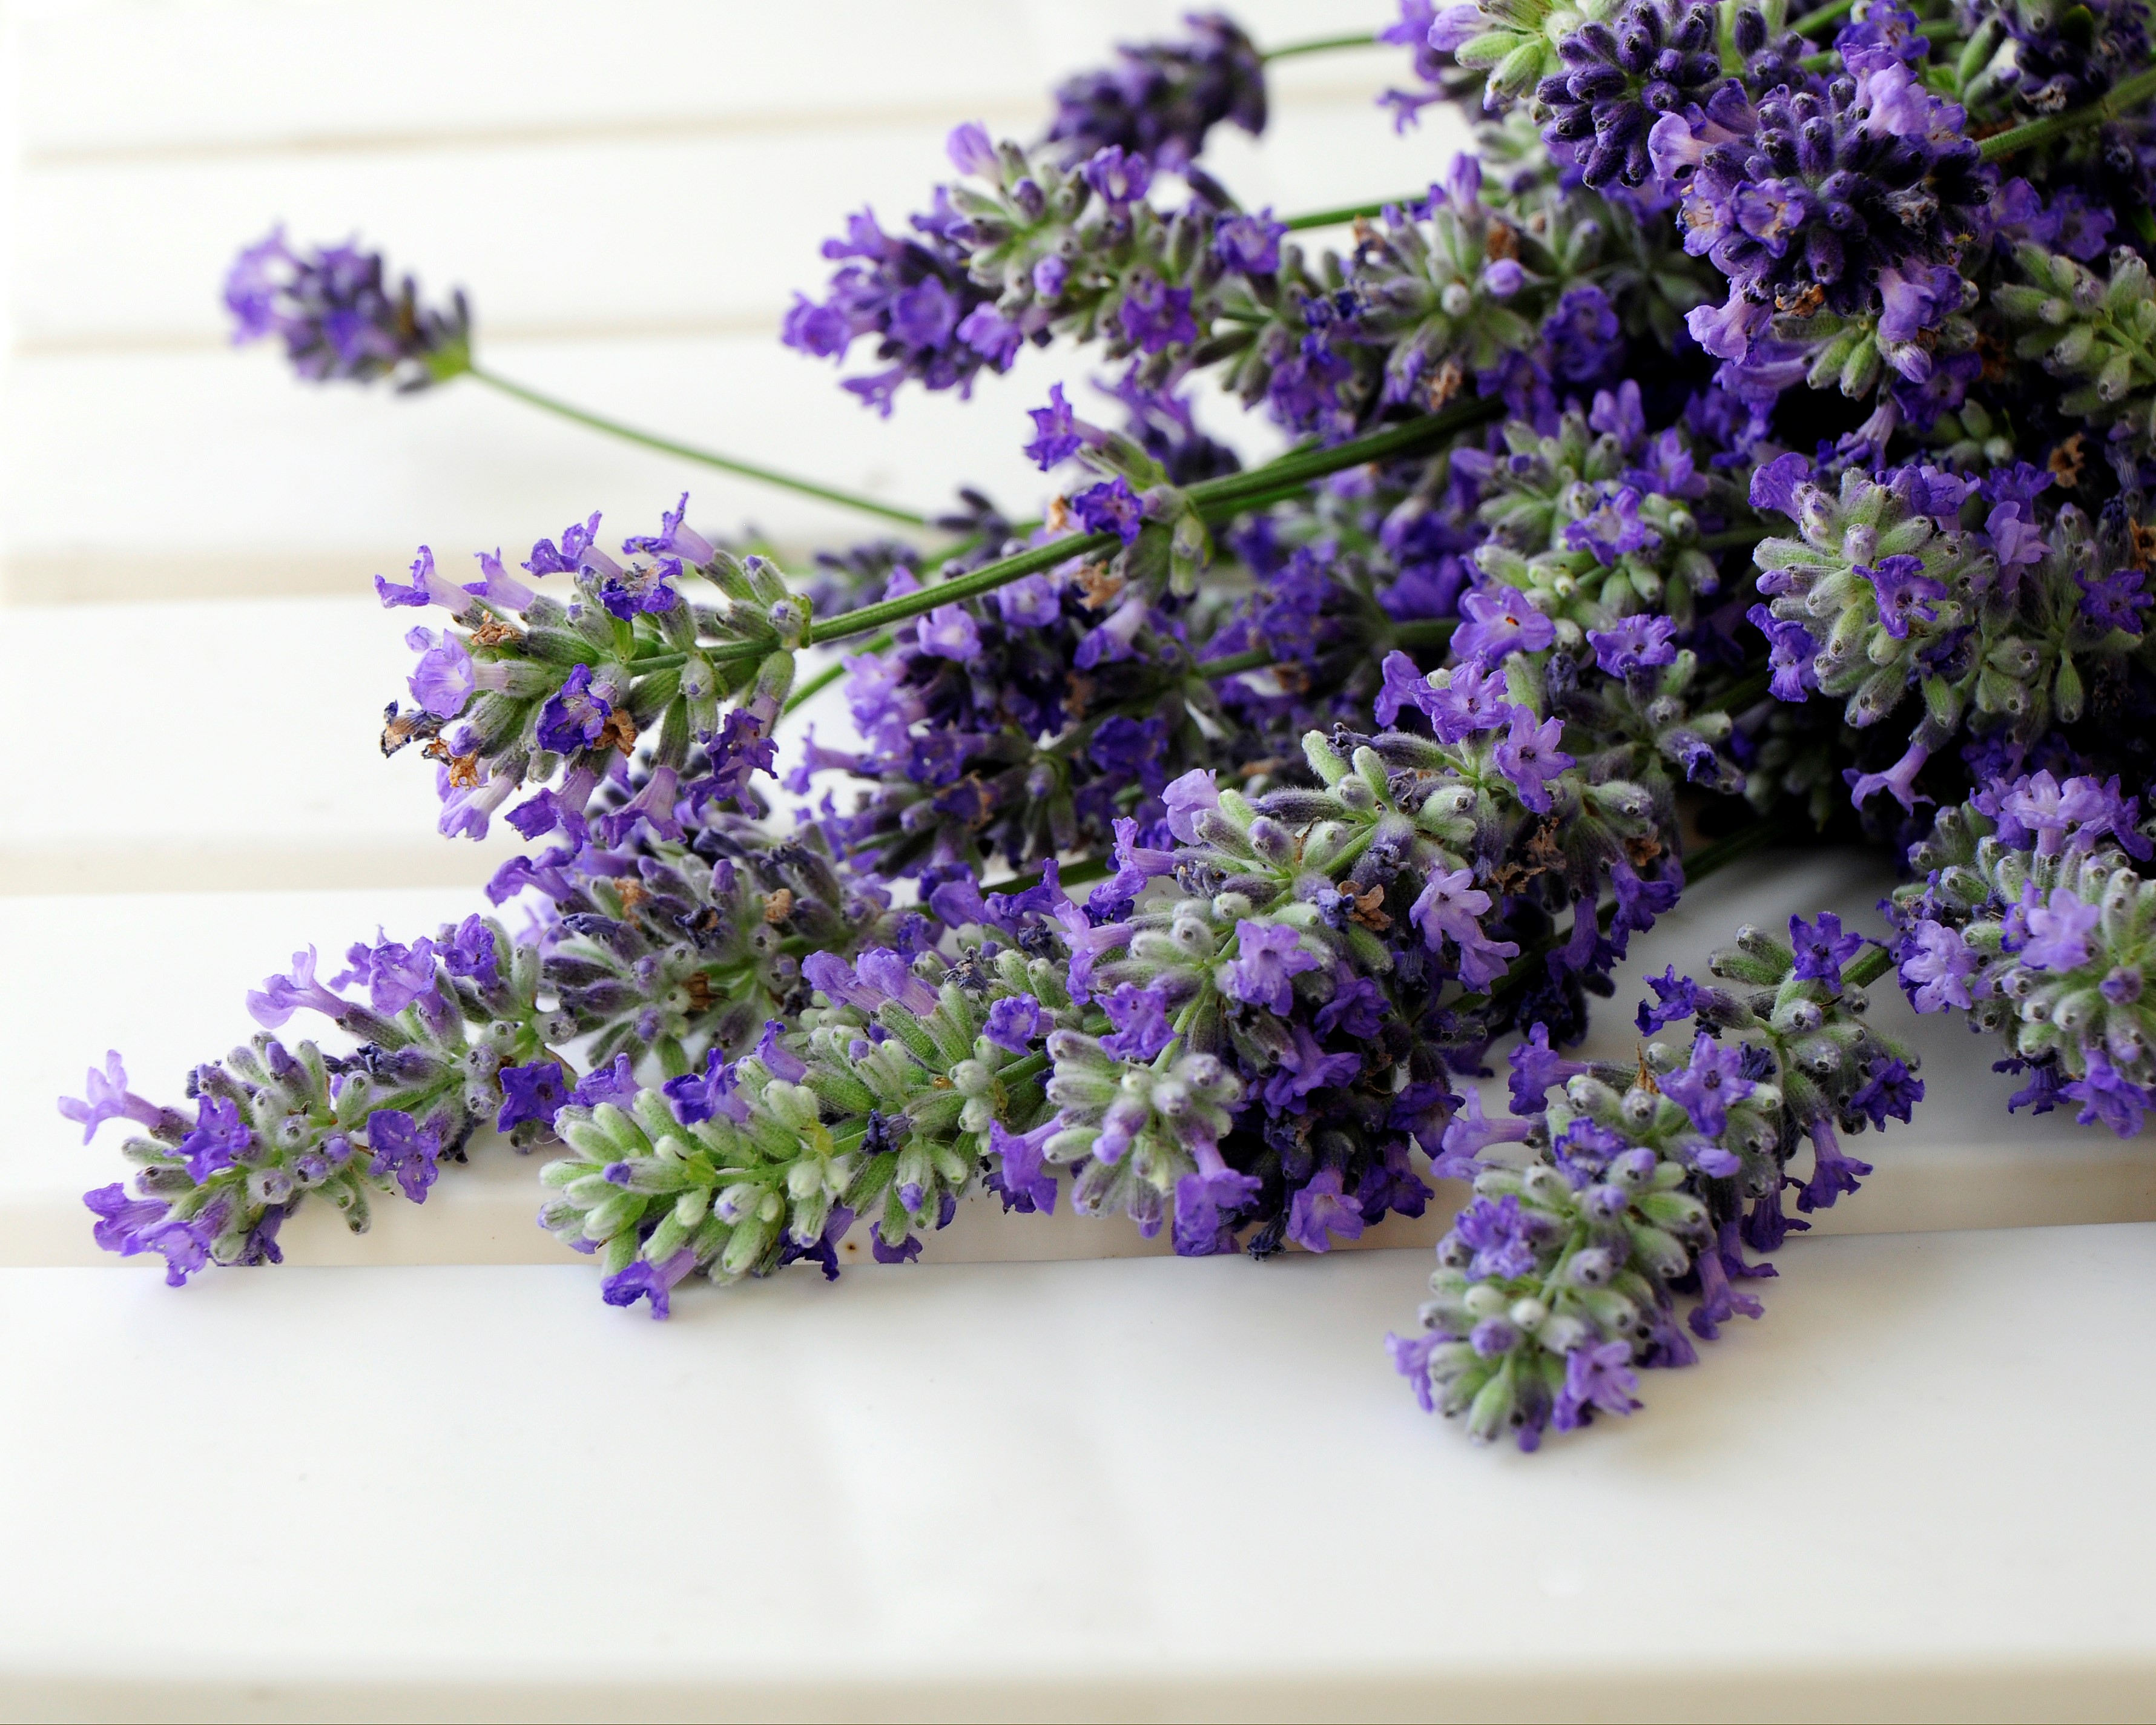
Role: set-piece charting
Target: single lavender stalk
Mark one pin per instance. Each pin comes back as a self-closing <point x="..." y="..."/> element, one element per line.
<point x="338" y="319"/>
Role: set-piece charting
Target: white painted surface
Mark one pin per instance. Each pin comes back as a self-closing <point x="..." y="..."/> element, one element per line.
<point x="1158" y="1490"/>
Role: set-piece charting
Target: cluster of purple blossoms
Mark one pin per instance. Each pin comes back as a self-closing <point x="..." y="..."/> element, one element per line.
<point x="335" y="311"/>
<point x="1160" y="99"/>
<point x="1729" y="440"/>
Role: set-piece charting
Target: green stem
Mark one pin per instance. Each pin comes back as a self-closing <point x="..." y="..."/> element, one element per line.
<point x="689" y="452"/>
<point x="2108" y="106"/>
<point x="1217" y="500"/>
<point x="1321" y="45"/>
<point x="1349" y="212"/>
<point x="1825" y="15"/>
<point x="1732" y="538"/>
<point x="1867" y="966"/>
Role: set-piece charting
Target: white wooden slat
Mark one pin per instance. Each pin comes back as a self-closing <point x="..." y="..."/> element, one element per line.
<point x="1156" y="1490"/>
<point x="260" y="75"/>
<point x="696" y="233"/>
<point x="1964" y="1162"/>
<point x="196" y="475"/>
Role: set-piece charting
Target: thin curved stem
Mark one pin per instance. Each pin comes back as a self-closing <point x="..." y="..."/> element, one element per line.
<point x="1321" y="45"/>
<point x="689" y="452"/>
<point x="2108" y="106"/>
<point x="1217" y="500"/>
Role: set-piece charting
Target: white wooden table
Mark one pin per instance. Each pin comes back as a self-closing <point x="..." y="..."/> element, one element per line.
<point x="426" y="1474"/>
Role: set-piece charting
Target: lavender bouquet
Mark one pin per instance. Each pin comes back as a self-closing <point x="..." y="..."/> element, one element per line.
<point x="1751" y="437"/>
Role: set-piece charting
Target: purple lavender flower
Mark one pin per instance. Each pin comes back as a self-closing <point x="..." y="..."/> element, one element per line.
<point x="338" y="318"/>
<point x="1822" y="948"/>
<point x="1303" y="1067"/>
<point x="1888" y="1090"/>
<point x="642" y="1280"/>
<point x="1249" y="244"/>
<point x="1790" y="653"/>
<point x="1268" y="957"/>
<point x="1186" y="798"/>
<point x="106" y="1097"/>
<point x="1499" y="621"/>
<point x="1411" y="1353"/>
<point x="402" y="1146"/>
<point x="1651" y="60"/>
<point x="1319" y="1210"/>
<point x="1025" y="1183"/>
<point x="1110" y="508"/>
<point x="2107" y="1096"/>
<point x="1676" y="998"/>
<point x="1640" y="642"/>
<point x="709" y="1094"/>
<point x="1612" y="530"/>
<point x="129" y="1226"/>
<point x="1015" y="1022"/>
<point x="1599" y="1377"/>
<point x="575" y="718"/>
<point x="281" y="996"/>
<point x="532" y="1092"/>
<point x="1582" y="334"/>
<point x="1154" y="317"/>
<point x="1938" y="963"/>
<point x="1529" y="757"/>
<point x="614" y="1083"/>
<point x="674" y="539"/>
<point x="2059" y="932"/>
<point x="1706" y="1086"/>
<point x="394" y="975"/>
<point x="220" y="1139"/>
<point x="1500" y="1235"/>
<point x="1403" y="685"/>
<point x="1469" y="699"/>
<point x="1140" y="1016"/>
<point x="1834" y="1172"/>
<point x="1536" y="1066"/>
<point x="1905" y="594"/>
<point x="1055" y="435"/>
<point x="1160" y="99"/>
<point x="1449" y="907"/>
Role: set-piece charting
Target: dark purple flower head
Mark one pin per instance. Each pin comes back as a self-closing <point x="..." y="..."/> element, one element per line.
<point x="471" y="952"/>
<point x="1822" y="948"/>
<point x="1706" y="1086"/>
<point x="1676" y="998"/>
<point x="1055" y="436"/>
<point x="576" y="717"/>
<point x="1155" y="316"/>
<point x="1160" y="99"/>
<point x="1015" y="1022"/>
<point x="1501" y="1236"/>
<point x="1529" y="757"/>
<point x="1304" y="1067"/>
<point x="2109" y="1098"/>
<point x="1319" y="1210"/>
<point x="394" y="975"/>
<point x="709" y="1094"/>
<point x="1249" y="244"/>
<point x="1640" y="642"/>
<point x="1620" y="77"/>
<point x="1536" y="1066"/>
<point x="1597" y="1377"/>
<point x="1110" y="508"/>
<point x="333" y="309"/>
<point x="642" y="1280"/>
<point x="403" y="1148"/>
<point x="1140" y="1016"/>
<point x="1268" y="958"/>
<point x="220" y="1139"/>
<point x="1905" y="594"/>
<point x="614" y="1083"/>
<point x="1888" y="1090"/>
